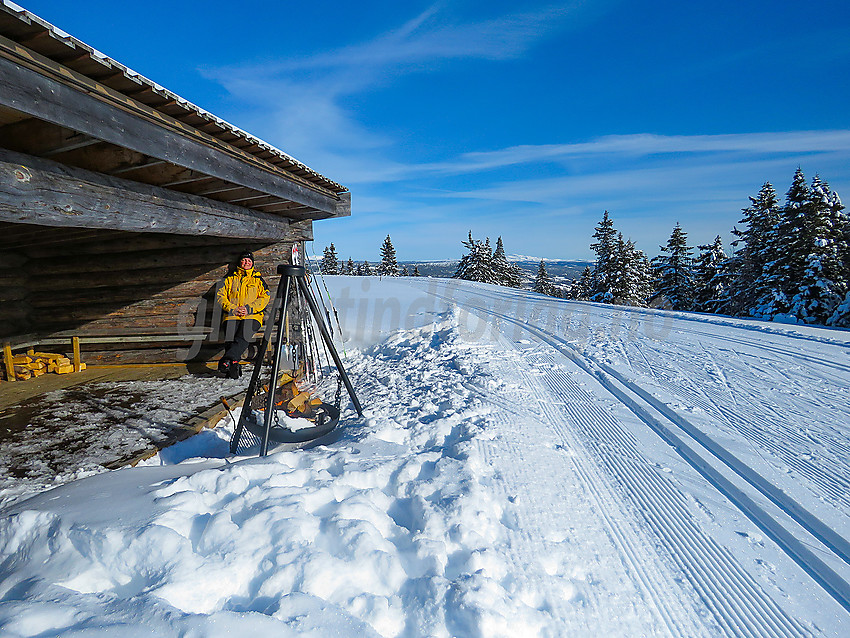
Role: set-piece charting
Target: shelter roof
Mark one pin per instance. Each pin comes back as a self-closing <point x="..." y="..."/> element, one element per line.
<point x="32" y="43"/>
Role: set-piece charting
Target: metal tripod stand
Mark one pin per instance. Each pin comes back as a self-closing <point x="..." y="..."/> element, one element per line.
<point x="292" y="278"/>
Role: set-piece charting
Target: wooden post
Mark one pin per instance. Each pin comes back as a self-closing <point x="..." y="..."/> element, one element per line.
<point x="75" y="343"/>
<point x="7" y="358"/>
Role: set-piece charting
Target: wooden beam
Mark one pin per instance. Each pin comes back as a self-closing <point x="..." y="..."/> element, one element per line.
<point x="252" y="198"/>
<point x="7" y="359"/>
<point x="35" y="239"/>
<point x="187" y="180"/>
<point x="277" y="206"/>
<point x="71" y="147"/>
<point x="39" y="191"/>
<point x="130" y="169"/>
<point x="287" y="209"/>
<point x="36" y="137"/>
<point x="39" y="87"/>
<point x="75" y="345"/>
<point x="224" y="188"/>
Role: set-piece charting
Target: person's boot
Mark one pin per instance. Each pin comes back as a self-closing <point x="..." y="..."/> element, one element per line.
<point x="234" y="370"/>
<point x="224" y="367"/>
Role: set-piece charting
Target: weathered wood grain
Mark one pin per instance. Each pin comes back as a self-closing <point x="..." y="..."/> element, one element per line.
<point x="38" y="191"/>
<point x="120" y="120"/>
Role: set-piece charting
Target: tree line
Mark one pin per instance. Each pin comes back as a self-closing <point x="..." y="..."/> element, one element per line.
<point x="790" y="262"/>
<point x="330" y="264"/>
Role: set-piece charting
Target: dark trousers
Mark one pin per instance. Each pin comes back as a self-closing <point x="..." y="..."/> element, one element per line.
<point x="238" y="334"/>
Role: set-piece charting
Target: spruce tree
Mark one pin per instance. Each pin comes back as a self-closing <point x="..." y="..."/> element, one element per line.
<point x="543" y="283"/>
<point x="367" y="269"/>
<point x="673" y="272"/>
<point x="841" y="316"/>
<point x="404" y="272"/>
<point x="821" y="282"/>
<point x="349" y="267"/>
<point x="622" y="274"/>
<point x="388" y="266"/>
<point x="786" y="259"/>
<point x="631" y="274"/>
<point x="604" y="247"/>
<point x="710" y="277"/>
<point x="745" y="272"/>
<point x="477" y="263"/>
<point x="507" y="274"/>
<point x="330" y="263"/>
<point x="416" y="271"/>
<point x="581" y="288"/>
<point x="618" y="267"/>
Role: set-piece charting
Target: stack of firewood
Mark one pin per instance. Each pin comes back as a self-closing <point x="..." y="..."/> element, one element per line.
<point x="294" y="401"/>
<point x="35" y="364"/>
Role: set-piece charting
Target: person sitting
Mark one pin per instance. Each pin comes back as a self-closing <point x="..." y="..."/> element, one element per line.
<point x="243" y="297"/>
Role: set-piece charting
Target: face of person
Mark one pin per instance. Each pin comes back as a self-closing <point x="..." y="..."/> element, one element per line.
<point x="246" y="263"/>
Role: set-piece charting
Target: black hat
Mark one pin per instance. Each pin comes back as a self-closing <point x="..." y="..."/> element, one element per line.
<point x="247" y="254"/>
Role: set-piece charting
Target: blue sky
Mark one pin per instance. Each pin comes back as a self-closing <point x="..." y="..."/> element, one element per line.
<point x="525" y="120"/>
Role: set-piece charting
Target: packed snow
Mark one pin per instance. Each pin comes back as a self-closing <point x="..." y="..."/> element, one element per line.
<point x="525" y="466"/>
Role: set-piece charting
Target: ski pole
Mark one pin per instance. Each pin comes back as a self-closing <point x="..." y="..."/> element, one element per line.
<point x="330" y="300"/>
<point x="314" y="281"/>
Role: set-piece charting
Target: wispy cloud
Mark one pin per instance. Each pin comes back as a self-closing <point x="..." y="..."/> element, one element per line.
<point x="433" y="36"/>
<point x="646" y="145"/>
<point x="300" y="103"/>
<point x="648" y="182"/>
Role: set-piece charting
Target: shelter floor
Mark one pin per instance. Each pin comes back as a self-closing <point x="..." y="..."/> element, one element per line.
<point x="57" y="427"/>
<point x="17" y="394"/>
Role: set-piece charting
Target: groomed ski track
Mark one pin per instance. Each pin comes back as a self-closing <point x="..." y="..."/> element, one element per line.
<point x="666" y="420"/>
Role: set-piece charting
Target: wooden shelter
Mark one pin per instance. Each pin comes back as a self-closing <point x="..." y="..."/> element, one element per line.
<point x="121" y="204"/>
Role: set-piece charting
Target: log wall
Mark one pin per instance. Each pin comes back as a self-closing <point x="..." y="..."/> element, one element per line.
<point x="115" y="284"/>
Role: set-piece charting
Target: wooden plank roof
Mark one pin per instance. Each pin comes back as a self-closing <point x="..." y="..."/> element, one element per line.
<point x="29" y="42"/>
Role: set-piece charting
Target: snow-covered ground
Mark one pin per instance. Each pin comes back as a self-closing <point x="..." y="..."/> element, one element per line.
<point x="525" y="466"/>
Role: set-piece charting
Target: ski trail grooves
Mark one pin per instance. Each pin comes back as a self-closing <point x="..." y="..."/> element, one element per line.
<point x="694" y="451"/>
<point x="758" y="419"/>
<point x="582" y="495"/>
<point x="738" y="602"/>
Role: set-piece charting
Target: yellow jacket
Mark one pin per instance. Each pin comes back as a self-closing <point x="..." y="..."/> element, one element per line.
<point x="244" y="288"/>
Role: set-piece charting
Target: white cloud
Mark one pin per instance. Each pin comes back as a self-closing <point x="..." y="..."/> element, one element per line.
<point x="432" y="37"/>
<point x="635" y="146"/>
<point x="647" y="182"/>
<point x="298" y="103"/>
